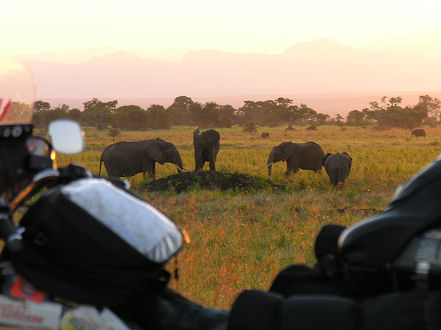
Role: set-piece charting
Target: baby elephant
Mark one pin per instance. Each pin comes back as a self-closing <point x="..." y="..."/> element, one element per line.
<point x="338" y="167"/>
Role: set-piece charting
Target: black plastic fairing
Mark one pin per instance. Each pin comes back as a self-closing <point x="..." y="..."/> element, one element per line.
<point x="415" y="208"/>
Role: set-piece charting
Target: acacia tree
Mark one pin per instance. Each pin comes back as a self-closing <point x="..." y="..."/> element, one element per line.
<point x="130" y="117"/>
<point x="429" y="106"/>
<point x="204" y="115"/>
<point x="158" y="117"/>
<point x="41" y="106"/>
<point x="355" y="118"/>
<point x="179" y="110"/>
<point x="98" y="114"/>
<point x="226" y="116"/>
<point x="388" y="112"/>
<point x="44" y="115"/>
<point x="113" y="132"/>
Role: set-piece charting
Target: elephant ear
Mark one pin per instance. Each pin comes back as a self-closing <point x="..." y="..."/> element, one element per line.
<point x="154" y="151"/>
<point x="345" y="153"/>
<point x="326" y="157"/>
<point x="212" y="137"/>
<point x="287" y="150"/>
<point x="195" y="134"/>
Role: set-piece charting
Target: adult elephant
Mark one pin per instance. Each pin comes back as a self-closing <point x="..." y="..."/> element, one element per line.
<point x="307" y="156"/>
<point x="130" y="158"/>
<point x="337" y="166"/>
<point x="206" y="148"/>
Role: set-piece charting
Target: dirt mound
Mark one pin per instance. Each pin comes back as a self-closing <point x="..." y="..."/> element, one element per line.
<point x="207" y="180"/>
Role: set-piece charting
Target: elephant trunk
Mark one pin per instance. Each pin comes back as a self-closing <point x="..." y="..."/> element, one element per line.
<point x="178" y="164"/>
<point x="269" y="164"/>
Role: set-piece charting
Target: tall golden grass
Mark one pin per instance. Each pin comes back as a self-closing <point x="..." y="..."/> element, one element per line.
<point x="242" y="240"/>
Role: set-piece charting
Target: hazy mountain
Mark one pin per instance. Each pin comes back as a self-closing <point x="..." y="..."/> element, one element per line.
<point x="322" y="66"/>
<point x="426" y="45"/>
<point x="78" y="56"/>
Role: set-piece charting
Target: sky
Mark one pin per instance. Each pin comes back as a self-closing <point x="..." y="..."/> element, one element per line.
<point x="245" y="26"/>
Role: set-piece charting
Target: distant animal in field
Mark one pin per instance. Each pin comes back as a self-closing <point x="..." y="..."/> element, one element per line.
<point x="123" y="159"/>
<point x="206" y="147"/>
<point x="338" y="166"/>
<point x="306" y="156"/>
<point x="264" y="135"/>
<point x="311" y="128"/>
<point x="290" y="129"/>
<point x="417" y="132"/>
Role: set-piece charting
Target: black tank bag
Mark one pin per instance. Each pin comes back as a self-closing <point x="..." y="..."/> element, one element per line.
<point x="94" y="243"/>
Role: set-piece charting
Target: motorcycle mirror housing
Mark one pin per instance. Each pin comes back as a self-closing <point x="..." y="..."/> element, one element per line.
<point x="67" y="137"/>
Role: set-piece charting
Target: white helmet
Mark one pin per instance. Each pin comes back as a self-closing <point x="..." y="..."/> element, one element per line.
<point x="17" y="90"/>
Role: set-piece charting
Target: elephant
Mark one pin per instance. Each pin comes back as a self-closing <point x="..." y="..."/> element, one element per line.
<point x="337" y="166"/>
<point x="206" y="148"/>
<point x="264" y="135"/>
<point x="307" y="156"/>
<point x="417" y="132"/>
<point x="124" y="159"/>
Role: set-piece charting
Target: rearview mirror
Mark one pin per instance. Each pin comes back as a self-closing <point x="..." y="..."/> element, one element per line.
<point x="67" y="137"/>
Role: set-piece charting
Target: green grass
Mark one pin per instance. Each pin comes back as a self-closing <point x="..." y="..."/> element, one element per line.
<point x="242" y="239"/>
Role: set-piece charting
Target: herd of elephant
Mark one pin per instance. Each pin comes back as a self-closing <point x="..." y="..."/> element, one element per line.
<point x="124" y="159"/>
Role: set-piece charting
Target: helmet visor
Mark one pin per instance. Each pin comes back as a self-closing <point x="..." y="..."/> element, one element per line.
<point x="16" y="92"/>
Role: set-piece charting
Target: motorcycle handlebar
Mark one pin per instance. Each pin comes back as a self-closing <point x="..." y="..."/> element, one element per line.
<point x="46" y="178"/>
<point x="8" y="231"/>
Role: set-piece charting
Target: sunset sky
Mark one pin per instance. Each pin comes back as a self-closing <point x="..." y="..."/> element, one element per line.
<point x="39" y="26"/>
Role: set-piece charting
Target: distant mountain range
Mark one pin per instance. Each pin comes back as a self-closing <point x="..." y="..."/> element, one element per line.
<point x="318" y="67"/>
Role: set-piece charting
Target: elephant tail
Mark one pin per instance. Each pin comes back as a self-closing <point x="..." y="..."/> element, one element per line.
<point x="341" y="176"/>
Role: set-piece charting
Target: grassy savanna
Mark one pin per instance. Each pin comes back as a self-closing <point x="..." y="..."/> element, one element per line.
<point x="242" y="240"/>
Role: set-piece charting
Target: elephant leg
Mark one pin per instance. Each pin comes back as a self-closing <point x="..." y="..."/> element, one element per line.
<point x="112" y="171"/>
<point x="212" y="166"/>
<point x="198" y="160"/>
<point x="201" y="164"/>
<point x="292" y="165"/>
<point x="153" y="171"/>
<point x="198" y="166"/>
<point x="148" y="166"/>
<point x="212" y="161"/>
<point x="333" y="177"/>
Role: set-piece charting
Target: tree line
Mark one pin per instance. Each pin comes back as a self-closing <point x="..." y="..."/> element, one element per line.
<point x="385" y="113"/>
<point x="388" y="112"/>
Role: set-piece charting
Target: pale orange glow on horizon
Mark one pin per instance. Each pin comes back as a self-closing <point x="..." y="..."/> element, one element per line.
<point x="39" y="26"/>
<point x="224" y="48"/>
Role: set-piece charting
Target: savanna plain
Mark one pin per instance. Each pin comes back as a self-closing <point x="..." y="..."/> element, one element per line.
<point x="242" y="239"/>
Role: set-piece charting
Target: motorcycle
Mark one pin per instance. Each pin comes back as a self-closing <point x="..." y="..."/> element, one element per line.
<point x="86" y="253"/>
<point x="120" y="235"/>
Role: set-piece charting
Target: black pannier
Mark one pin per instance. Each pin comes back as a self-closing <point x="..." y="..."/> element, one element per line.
<point x="94" y="243"/>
